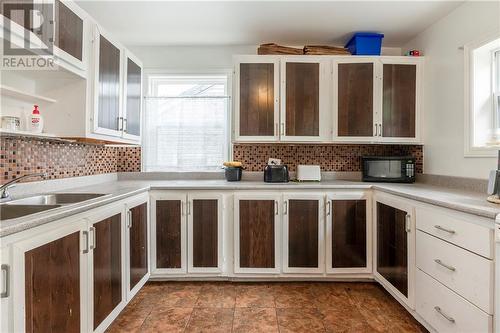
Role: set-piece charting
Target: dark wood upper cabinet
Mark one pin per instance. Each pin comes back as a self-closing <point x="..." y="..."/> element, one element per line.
<point x="205" y="226"/>
<point x="108" y="85"/>
<point x="138" y="243"/>
<point x="256" y="233"/>
<point x="133" y="98"/>
<point x="257" y="99"/>
<point x="348" y="230"/>
<point x="399" y="100"/>
<point x="52" y="286"/>
<point x="303" y="233"/>
<point x="392" y="246"/>
<point x="68" y="31"/>
<point x="355" y="99"/>
<point x="107" y="253"/>
<point x="302" y="89"/>
<point x="169" y="233"/>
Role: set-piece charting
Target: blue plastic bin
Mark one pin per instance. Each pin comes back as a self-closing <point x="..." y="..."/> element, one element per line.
<point x="365" y="43"/>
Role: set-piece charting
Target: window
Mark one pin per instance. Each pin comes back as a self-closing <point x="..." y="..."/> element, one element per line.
<point x="186" y="126"/>
<point x="483" y="91"/>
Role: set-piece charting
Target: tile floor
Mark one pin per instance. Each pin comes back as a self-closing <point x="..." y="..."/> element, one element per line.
<point x="264" y="307"/>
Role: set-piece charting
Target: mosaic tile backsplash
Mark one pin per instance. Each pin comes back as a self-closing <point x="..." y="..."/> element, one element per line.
<point x="332" y="157"/>
<point x="20" y="156"/>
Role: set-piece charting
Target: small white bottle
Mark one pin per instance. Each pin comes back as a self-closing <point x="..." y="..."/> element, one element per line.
<point x="36" y="121"/>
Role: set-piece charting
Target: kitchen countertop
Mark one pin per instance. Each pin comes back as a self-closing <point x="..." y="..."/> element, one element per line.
<point x="467" y="202"/>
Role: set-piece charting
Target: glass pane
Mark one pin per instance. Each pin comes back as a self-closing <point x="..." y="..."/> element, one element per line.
<point x="256" y="99"/>
<point x="384" y="169"/>
<point x="302" y="99"/>
<point x="109" y="85"/>
<point x="392" y="246"/>
<point x="133" y="98"/>
<point x="348" y="233"/>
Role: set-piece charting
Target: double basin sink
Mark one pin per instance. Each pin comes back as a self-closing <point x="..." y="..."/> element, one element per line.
<point x="36" y="204"/>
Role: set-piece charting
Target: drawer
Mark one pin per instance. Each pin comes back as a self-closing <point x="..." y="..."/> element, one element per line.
<point x="446" y="311"/>
<point x="456" y="228"/>
<point x="466" y="273"/>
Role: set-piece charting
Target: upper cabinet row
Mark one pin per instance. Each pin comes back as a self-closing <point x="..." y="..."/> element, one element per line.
<point x="327" y="99"/>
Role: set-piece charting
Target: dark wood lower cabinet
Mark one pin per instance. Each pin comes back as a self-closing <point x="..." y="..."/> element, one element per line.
<point x="107" y="267"/>
<point x="303" y="233"/>
<point x="348" y="233"/>
<point x="205" y="233"/>
<point x="138" y="243"/>
<point x="256" y="238"/>
<point x="52" y="286"/>
<point x="168" y="233"/>
<point x="392" y="246"/>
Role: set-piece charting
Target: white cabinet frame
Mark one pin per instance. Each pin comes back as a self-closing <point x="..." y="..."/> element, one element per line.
<point x="96" y="217"/>
<point x="376" y="97"/>
<point x="350" y="195"/>
<point x="255" y="59"/>
<point x="406" y="206"/>
<point x="320" y="198"/>
<point x="6" y="282"/>
<point x="98" y="32"/>
<point x="128" y="55"/>
<point x="182" y="197"/>
<point x="18" y="276"/>
<point x="136" y="201"/>
<point x="418" y="62"/>
<point x="276" y="197"/>
<point x="220" y="225"/>
<point x="325" y="131"/>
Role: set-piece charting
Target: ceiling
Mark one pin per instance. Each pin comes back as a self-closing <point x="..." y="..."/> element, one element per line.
<point x="256" y="22"/>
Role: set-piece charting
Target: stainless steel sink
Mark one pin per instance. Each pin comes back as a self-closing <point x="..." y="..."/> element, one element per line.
<point x="55" y="199"/>
<point x="13" y="211"/>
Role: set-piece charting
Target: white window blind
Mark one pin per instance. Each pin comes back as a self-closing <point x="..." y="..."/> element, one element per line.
<point x="186" y="125"/>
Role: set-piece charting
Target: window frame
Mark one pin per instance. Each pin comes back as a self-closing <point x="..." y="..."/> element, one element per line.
<point x="147" y="92"/>
<point x="470" y="150"/>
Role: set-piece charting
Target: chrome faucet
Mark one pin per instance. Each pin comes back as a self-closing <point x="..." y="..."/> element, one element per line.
<point x="4" y="194"/>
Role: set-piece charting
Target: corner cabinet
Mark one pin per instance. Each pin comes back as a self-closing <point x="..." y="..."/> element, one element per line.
<point x="117" y="89"/>
<point x="394" y="238"/>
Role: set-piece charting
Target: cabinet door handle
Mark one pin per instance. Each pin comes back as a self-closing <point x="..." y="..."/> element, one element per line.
<point x="124" y="121"/>
<point x="376" y="130"/>
<point x="276" y="129"/>
<point x="282" y="128"/>
<point x="276" y="212"/>
<point x="438" y="310"/>
<point x="444" y="229"/>
<point x="285" y="207"/>
<point x="129" y="219"/>
<point x="6" y="291"/>
<point x="86" y="234"/>
<point x="408" y="223"/>
<point x="439" y="262"/>
<point x="380" y="130"/>
<point x="120" y="123"/>
<point x="189" y="207"/>
<point x="328" y="208"/>
<point x="93" y="234"/>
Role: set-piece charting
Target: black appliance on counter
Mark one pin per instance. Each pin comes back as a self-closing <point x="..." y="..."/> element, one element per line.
<point x="276" y="174"/>
<point x="388" y="169"/>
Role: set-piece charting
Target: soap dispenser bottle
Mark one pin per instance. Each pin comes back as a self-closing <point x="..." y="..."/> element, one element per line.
<point x="36" y="121"/>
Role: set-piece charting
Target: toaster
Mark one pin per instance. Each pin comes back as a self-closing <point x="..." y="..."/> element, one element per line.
<point x="276" y="174"/>
<point x="308" y="173"/>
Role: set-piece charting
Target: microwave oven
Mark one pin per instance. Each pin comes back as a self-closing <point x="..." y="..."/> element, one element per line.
<point x="388" y="169"/>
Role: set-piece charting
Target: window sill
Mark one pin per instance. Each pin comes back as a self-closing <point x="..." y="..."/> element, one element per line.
<point x="485" y="151"/>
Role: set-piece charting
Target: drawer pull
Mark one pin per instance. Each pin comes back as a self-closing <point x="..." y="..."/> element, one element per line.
<point x="6" y="292"/>
<point x="439" y="262"/>
<point x="444" y="229"/>
<point x="438" y="310"/>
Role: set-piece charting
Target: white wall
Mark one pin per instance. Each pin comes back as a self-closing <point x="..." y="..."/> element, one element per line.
<point x="444" y="88"/>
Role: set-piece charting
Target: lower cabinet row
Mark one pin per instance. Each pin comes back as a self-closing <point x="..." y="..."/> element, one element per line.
<point x="77" y="277"/>
<point x="297" y="234"/>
